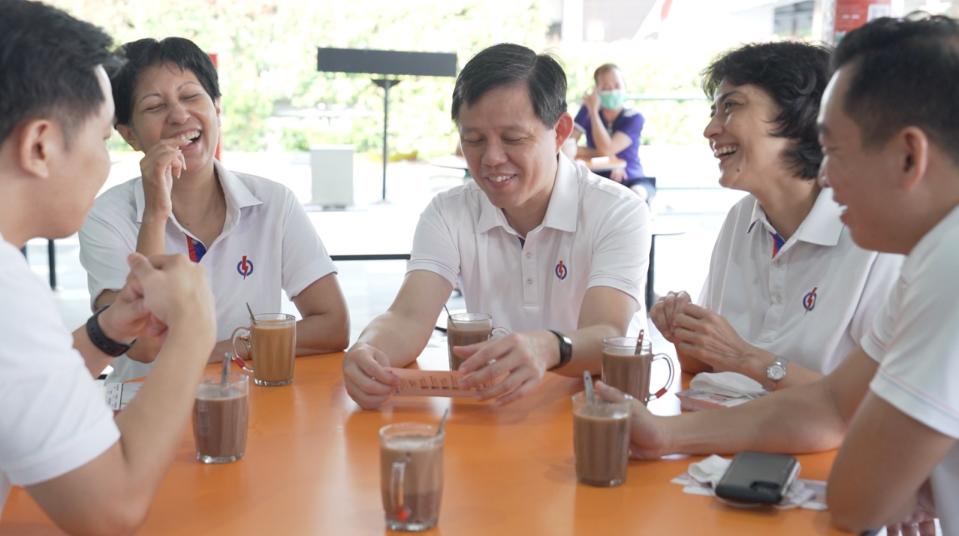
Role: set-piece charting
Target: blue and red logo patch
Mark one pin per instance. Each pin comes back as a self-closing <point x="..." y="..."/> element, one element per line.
<point x="561" y="270"/>
<point x="245" y="267"/>
<point x="809" y="300"/>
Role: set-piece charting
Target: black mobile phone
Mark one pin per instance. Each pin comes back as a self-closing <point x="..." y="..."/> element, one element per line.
<point x="758" y="477"/>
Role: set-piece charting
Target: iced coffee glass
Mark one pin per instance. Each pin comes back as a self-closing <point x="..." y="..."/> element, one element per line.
<point x="600" y="440"/>
<point x="220" y="417"/>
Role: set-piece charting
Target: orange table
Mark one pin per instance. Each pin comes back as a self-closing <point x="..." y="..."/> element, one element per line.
<point x="312" y="467"/>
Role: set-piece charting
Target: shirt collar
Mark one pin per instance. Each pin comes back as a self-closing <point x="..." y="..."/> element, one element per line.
<point x="822" y="225"/>
<point x="235" y="192"/>
<point x="562" y="212"/>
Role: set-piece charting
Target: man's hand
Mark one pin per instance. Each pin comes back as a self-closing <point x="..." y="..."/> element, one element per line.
<point x="518" y="361"/>
<point x="647" y="438"/>
<point x="175" y="291"/>
<point x="366" y="378"/>
<point x="708" y="337"/>
<point x="618" y="175"/>
<point x="664" y="312"/>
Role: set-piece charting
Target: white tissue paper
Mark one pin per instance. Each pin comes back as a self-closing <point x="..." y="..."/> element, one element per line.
<point x="708" y="390"/>
<point x="702" y="477"/>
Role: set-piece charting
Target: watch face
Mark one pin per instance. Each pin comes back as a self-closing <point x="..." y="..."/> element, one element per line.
<point x="776" y="372"/>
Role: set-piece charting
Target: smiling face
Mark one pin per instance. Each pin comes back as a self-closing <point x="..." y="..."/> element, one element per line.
<point x="863" y="180"/>
<point x="511" y="154"/>
<point x="740" y="135"/>
<point x="170" y="102"/>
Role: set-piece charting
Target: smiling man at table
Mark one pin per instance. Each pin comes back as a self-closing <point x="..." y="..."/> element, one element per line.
<point x="889" y="128"/>
<point x="90" y="473"/>
<point x="553" y="252"/>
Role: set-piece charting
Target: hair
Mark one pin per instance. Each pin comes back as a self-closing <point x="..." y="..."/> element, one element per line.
<point x="905" y="72"/>
<point x="48" y="63"/>
<point x="507" y="64"/>
<point x="795" y="76"/>
<point x="603" y="68"/>
<point x="145" y="53"/>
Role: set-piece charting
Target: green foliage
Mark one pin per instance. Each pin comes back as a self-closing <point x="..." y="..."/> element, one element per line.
<point x="267" y="55"/>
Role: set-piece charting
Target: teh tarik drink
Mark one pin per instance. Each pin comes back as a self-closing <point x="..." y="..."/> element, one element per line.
<point x="271" y="343"/>
<point x="411" y="475"/>
<point x="600" y="441"/>
<point x="629" y="369"/>
<point x="463" y="329"/>
<point x="220" y="419"/>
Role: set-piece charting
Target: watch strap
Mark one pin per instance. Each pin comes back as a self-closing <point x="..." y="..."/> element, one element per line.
<point x="99" y="339"/>
<point x="565" y="349"/>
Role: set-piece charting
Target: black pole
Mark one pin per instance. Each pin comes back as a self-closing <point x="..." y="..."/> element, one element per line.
<point x="386" y="84"/>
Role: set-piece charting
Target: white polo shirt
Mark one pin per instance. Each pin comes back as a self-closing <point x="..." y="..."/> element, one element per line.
<point x="813" y="300"/>
<point x="595" y="233"/>
<point x="915" y="340"/>
<point x="53" y="418"/>
<point x="267" y="244"/>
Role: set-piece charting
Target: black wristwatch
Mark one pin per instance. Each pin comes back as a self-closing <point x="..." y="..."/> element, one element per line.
<point x="565" y="349"/>
<point x="99" y="339"/>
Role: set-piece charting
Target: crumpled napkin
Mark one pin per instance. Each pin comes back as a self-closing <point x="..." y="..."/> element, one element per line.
<point x="702" y="477"/>
<point x="731" y="384"/>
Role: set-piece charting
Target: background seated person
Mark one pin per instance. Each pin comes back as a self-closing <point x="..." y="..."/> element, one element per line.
<point x="788" y="294"/>
<point x="612" y="129"/>
<point x="251" y="234"/>
<point x="553" y="252"/>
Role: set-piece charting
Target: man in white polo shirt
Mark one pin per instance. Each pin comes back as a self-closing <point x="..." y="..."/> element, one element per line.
<point x="58" y="438"/>
<point x="554" y="253"/>
<point x="251" y="234"/>
<point x="889" y="128"/>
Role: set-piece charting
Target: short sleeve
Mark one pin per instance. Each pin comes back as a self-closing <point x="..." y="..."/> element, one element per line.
<point x="917" y="345"/>
<point x="581" y="121"/>
<point x="104" y="248"/>
<point x="53" y="418"/>
<point x="632" y="126"/>
<point x="305" y="259"/>
<point x="882" y="277"/>
<point x="434" y="247"/>
<point x="621" y="254"/>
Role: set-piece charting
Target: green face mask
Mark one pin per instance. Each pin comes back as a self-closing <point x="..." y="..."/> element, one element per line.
<point x="612" y="100"/>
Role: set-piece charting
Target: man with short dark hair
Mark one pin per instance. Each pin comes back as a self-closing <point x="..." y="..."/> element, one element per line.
<point x="553" y="252"/>
<point x="889" y="128"/>
<point x="58" y="438"/>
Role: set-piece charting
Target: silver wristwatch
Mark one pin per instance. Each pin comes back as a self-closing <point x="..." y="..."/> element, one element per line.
<point x="777" y="370"/>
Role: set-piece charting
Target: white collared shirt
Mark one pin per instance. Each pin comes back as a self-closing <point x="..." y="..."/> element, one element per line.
<point x="595" y="233"/>
<point x="915" y="340"/>
<point x="809" y="304"/>
<point x="53" y="417"/>
<point x="267" y="244"/>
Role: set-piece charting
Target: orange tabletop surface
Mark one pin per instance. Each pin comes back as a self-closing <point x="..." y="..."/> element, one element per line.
<point x="312" y="467"/>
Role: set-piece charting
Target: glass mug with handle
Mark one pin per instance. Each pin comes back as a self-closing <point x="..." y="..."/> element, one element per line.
<point x="271" y="342"/>
<point x="464" y="329"/>
<point x="629" y="371"/>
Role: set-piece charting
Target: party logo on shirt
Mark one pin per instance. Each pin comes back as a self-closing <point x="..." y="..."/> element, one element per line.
<point x="245" y="267"/>
<point x="560" y="270"/>
<point x="809" y="300"/>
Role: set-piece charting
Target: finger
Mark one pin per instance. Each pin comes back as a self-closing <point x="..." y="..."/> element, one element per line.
<point x="692" y="310"/>
<point x="493" y="369"/>
<point x="609" y="393"/>
<point x="688" y="323"/>
<point x="480" y="355"/>
<point x="140" y="266"/>
<point x="366" y="385"/>
<point x="927" y="527"/>
<point x="909" y="529"/>
<point x="507" y="385"/>
<point x="524" y="389"/>
<point x="368" y="367"/>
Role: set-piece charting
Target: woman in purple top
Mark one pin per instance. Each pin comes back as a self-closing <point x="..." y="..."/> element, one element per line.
<point x="620" y="128"/>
